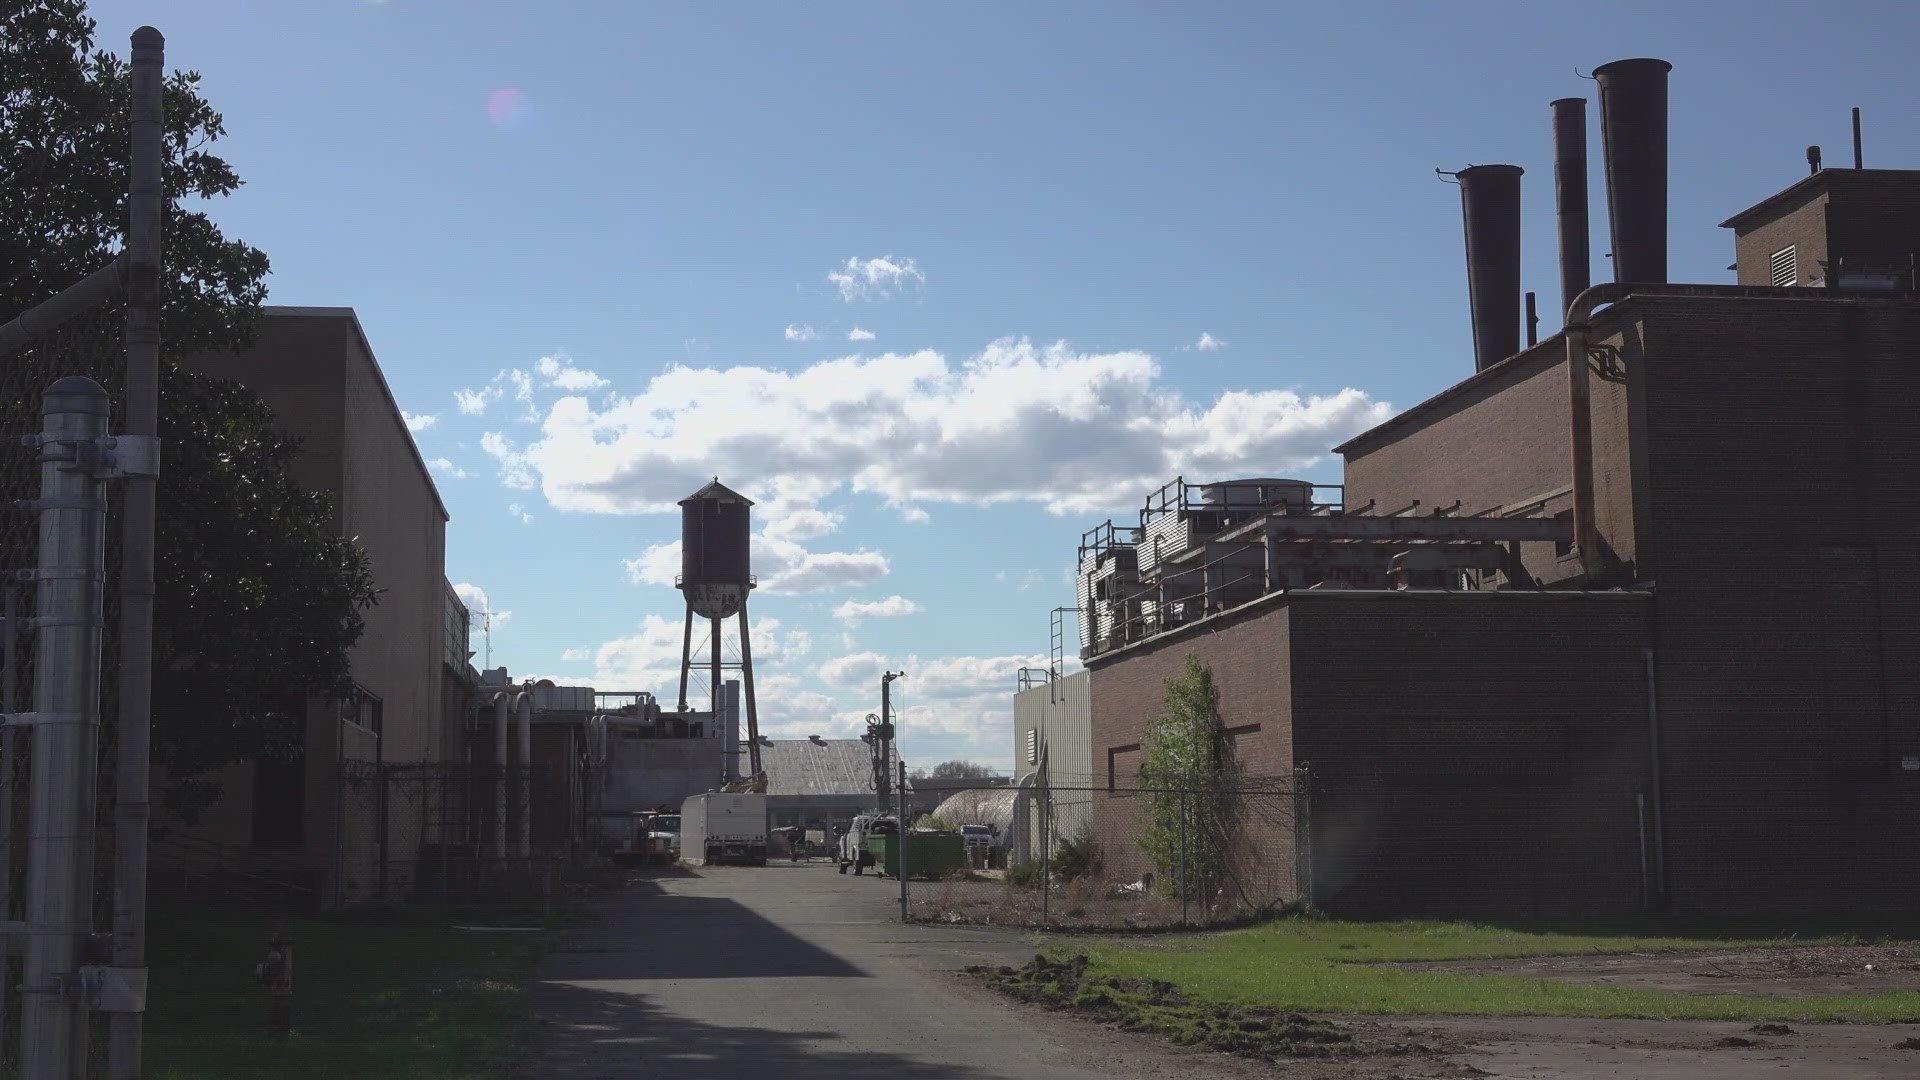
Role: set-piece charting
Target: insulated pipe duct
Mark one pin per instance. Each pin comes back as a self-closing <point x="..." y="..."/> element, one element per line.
<point x="523" y="829"/>
<point x="1633" y="126"/>
<point x="1490" y="202"/>
<point x="502" y="701"/>
<point x="1570" y="196"/>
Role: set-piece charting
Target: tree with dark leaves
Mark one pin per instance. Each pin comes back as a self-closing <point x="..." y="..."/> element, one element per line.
<point x="259" y="600"/>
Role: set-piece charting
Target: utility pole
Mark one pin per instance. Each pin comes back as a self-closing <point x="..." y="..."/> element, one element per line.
<point x="887" y="736"/>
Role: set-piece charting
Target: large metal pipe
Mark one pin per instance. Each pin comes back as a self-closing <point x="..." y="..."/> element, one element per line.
<point x="1570" y="197"/>
<point x="502" y="702"/>
<point x="523" y="828"/>
<point x="134" y="728"/>
<point x="1490" y="203"/>
<point x="65" y="723"/>
<point x="1633" y="127"/>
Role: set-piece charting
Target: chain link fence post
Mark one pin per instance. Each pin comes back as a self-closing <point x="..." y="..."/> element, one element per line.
<point x="1303" y="838"/>
<point x="900" y="861"/>
<point x="65" y="721"/>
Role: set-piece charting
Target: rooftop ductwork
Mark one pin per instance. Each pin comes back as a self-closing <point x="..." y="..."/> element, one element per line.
<point x="1633" y="126"/>
<point x="1490" y="202"/>
<point x="1570" y="197"/>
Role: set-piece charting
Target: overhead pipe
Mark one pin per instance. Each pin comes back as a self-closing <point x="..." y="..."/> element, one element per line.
<point x="1633" y="127"/>
<point x="1490" y="205"/>
<point x="1570" y="196"/>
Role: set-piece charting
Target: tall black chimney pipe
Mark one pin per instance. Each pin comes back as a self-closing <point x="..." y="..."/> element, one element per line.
<point x="1490" y="201"/>
<point x="1570" y="197"/>
<point x="1633" y="125"/>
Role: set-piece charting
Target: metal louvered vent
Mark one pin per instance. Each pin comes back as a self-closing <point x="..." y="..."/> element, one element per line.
<point x="1786" y="266"/>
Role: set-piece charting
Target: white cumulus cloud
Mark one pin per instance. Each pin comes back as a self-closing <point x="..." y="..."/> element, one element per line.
<point x="560" y="371"/>
<point x="418" y="422"/>
<point x="780" y="566"/>
<point x="875" y="279"/>
<point x="442" y="465"/>
<point x="477" y="602"/>
<point x="857" y="334"/>
<point x="1209" y="343"/>
<point x="475" y="402"/>
<point x="801" y="333"/>
<point x="1017" y="422"/>
<point x="893" y="607"/>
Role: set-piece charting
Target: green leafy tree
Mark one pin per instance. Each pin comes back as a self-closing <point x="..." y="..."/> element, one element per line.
<point x="1182" y="770"/>
<point x="258" y="599"/>
<point x="960" y="770"/>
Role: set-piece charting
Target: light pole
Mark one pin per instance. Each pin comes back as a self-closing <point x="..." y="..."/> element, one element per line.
<point x="888" y="732"/>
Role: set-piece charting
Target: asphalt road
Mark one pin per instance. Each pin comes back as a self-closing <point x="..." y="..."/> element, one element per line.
<point x="792" y="972"/>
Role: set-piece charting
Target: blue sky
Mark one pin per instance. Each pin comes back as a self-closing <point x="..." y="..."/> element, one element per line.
<point x="606" y="250"/>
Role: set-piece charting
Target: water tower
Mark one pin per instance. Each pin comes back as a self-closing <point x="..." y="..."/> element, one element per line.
<point x="716" y="531"/>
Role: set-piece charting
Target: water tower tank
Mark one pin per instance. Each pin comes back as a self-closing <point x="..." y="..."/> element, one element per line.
<point x="716" y="529"/>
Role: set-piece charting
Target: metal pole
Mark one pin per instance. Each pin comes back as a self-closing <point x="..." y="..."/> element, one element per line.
<point x="48" y="315"/>
<point x="901" y="863"/>
<point x="9" y="763"/>
<point x="1181" y="881"/>
<point x="1046" y="844"/>
<point x="746" y="676"/>
<point x="686" y="657"/>
<point x="65" y="719"/>
<point x="133" y="732"/>
<point x="502" y="702"/>
<point x="523" y="826"/>
<point x="713" y="660"/>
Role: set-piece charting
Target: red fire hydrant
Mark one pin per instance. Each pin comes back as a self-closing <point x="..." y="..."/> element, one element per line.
<point x="276" y="974"/>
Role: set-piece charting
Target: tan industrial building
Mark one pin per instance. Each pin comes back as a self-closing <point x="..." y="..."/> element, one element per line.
<point x="316" y="370"/>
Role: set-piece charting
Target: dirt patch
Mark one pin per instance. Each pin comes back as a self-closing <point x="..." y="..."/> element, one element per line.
<point x="1800" y="971"/>
<point x="1157" y="1007"/>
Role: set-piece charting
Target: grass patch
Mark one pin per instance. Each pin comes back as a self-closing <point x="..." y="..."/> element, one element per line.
<point x="376" y="995"/>
<point x="1313" y="965"/>
<point x="1158" y="1007"/>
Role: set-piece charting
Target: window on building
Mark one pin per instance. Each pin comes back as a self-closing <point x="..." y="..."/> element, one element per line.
<point x="1116" y="768"/>
<point x="1033" y="746"/>
<point x="1785" y="268"/>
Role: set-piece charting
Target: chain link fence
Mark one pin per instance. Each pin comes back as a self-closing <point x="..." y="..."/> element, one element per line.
<point x="1080" y="856"/>
<point x="424" y="833"/>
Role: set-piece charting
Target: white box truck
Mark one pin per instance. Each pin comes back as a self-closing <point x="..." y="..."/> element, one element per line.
<point x="724" y="827"/>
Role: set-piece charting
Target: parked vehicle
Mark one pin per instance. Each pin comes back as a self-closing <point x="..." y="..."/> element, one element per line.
<point x="644" y="836"/>
<point x="724" y="827"/>
<point x="853" y="839"/>
<point x="979" y="841"/>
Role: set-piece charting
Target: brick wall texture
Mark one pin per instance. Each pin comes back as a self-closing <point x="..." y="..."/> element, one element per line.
<point x="1757" y="468"/>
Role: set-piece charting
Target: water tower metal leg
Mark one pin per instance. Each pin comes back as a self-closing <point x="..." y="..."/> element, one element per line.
<point x="746" y="676"/>
<point x="713" y="656"/>
<point x="686" y="657"/>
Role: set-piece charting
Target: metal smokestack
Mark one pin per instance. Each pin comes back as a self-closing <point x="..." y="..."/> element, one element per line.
<point x="1633" y="126"/>
<point x="1570" y="197"/>
<point x="1490" y="202"/>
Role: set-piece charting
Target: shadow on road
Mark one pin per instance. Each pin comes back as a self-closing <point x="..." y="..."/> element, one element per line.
<point x="597" y="1033"/>
<point x="692" y="937"/>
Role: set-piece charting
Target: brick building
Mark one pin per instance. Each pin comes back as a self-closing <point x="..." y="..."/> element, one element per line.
<point x="1581" y="640"/>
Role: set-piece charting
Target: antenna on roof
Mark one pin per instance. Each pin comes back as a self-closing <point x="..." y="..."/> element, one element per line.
<point x="1856" y="138"/>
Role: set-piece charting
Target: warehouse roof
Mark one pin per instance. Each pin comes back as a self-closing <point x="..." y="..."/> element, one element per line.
<point x="826" y="767"/>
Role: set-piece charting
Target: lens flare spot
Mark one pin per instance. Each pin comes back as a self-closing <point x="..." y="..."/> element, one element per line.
<point x="509" y="110"/>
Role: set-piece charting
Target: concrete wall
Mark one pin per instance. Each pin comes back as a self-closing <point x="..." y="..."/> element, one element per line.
<point x="314" y="369"/>
<point x="644" y="773"/>
<point x="1062" y="715"/>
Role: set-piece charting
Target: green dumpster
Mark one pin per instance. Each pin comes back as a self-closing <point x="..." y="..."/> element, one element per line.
<point x="929" y="854"/>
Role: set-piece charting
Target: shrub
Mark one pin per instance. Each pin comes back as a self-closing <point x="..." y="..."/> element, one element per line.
<point x="1025" y="875"/>
<point x="1078" y="856"/>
